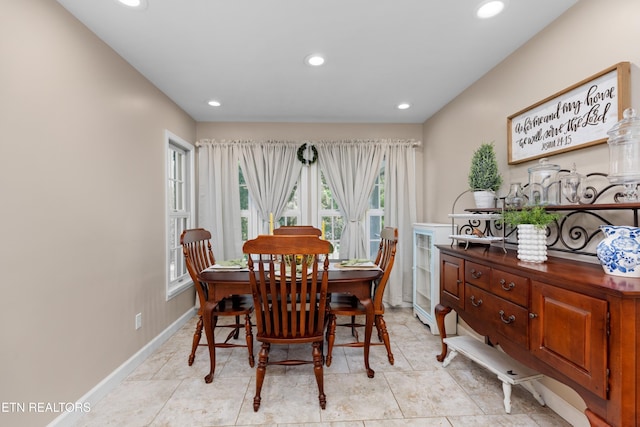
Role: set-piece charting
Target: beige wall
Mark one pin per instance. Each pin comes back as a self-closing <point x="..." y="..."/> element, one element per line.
<point x="589" y="38"/>
<point x="82" y="188"/>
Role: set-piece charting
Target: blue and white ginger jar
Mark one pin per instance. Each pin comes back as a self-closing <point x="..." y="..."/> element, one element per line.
<point x="619" y="251"/>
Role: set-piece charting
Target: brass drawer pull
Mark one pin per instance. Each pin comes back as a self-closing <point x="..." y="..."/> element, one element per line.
<point x="508" y="320"/>
<point x="476" y="274"/>
<point x="474" y="303"/>
<point x="509" y="287"/>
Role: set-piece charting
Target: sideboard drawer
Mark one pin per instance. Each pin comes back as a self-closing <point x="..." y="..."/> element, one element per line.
<point x="510" y="287"/>
<point x="477" y="274"/>
<point x="511" y="320"/>
<point x="498" y="314"/>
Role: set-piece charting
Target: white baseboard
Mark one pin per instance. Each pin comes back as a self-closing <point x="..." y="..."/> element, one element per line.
<point x="568" y="412"/>
<point x="67" y="419"/>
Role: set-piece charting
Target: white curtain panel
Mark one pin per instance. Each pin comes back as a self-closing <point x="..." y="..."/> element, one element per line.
<point x="218" y="198"/>
<point x="271" y="170"/>
<point x="400" y="212"/>
<point x="350" y="169"/>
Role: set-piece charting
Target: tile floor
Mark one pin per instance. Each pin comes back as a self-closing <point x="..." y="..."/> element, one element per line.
<point x="415" y="391"/>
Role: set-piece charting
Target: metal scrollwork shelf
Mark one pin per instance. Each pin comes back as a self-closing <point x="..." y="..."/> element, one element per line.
<point x="480" y="228"/>
<point x="578" y="229"/>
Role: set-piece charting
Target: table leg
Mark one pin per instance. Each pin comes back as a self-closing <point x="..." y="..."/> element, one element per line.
<point x="368" y="306"/>
<point x="207" y="314"/>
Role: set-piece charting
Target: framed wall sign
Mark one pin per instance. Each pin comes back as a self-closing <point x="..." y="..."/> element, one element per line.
<point x="576" y="117"/>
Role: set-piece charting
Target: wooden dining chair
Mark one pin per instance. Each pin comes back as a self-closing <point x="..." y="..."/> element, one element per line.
<point x="198" y="255"/>
<point x="299" y="230"/>
<point x="347" y="305"/>
<point x="289" y="288"/>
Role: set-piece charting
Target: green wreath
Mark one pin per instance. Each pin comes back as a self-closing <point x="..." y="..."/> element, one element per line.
<point x="304" y="160"/>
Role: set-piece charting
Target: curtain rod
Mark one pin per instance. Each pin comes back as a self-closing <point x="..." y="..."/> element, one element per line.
<point x="413" y="142"/>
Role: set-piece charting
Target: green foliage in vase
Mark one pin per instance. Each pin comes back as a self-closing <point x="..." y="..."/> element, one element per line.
<point x="536" y="215"/>
<point x="484" y="173"/>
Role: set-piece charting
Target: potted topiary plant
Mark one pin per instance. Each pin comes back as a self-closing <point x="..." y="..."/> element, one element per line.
<point x="484" y="176"/>
<point x="531" y="223"/>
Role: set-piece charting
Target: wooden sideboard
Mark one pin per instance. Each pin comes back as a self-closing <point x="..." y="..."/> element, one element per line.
<point x="563" y="318"/>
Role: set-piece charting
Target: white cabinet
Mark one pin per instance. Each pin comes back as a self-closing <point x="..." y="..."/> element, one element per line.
<point x="426" y="274"/>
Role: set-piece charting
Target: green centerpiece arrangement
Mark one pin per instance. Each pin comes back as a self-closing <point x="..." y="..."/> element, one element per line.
<point x="484" y="177"/>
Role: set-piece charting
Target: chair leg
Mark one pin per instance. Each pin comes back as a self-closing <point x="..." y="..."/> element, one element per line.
<point x="249" y="336"/>
<point x="318" y="371"/>
<point x="331" y="337"/>
<point x="354" y="331"/>
<point x="263" y="357"/>
<point x="381" y="326"/>
<point x="237" y="334"/>
<point x="197" y="335"/>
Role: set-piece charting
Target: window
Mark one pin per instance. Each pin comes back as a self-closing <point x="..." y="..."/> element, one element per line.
<point x="375" y="214"/>
<point x="374" y="217"/>
<point x="318" y="199"/>
<point x="251" y="223"/>
<point x="245" y="212"/>
<point x="180" y="208"/>
<point x="291" y="214"/>
<point x="330" y="216"/>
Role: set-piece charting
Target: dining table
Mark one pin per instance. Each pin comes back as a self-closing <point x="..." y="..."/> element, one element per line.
<point x="224" y="282"/>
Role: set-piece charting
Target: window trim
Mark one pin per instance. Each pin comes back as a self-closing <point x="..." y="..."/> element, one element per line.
<point x="176" y="287"/>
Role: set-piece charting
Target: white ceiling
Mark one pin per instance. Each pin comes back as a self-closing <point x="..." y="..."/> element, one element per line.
<point x="248" y="54"/>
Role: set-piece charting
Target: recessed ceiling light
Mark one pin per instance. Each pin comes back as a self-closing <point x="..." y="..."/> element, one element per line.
<point x="490" y="8"/>
<point x="214" y="103"/>
<point x="404" y="106"/>
<point x="315" y="60"/>
<point x="134" y="4"/>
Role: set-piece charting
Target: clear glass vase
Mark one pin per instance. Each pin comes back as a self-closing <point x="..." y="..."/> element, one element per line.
<point x="515" y="197"/>
<point x="572" y="186"/>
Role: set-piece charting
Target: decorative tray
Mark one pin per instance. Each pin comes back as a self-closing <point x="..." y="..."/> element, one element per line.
<point x="476" y="216"/>
<point x="475" y="239"/>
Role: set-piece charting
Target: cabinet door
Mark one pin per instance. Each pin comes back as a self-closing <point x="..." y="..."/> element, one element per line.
<point x="569" y="332"/>
<point x="422" y="274"/>
<point x="452" y="280"/>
